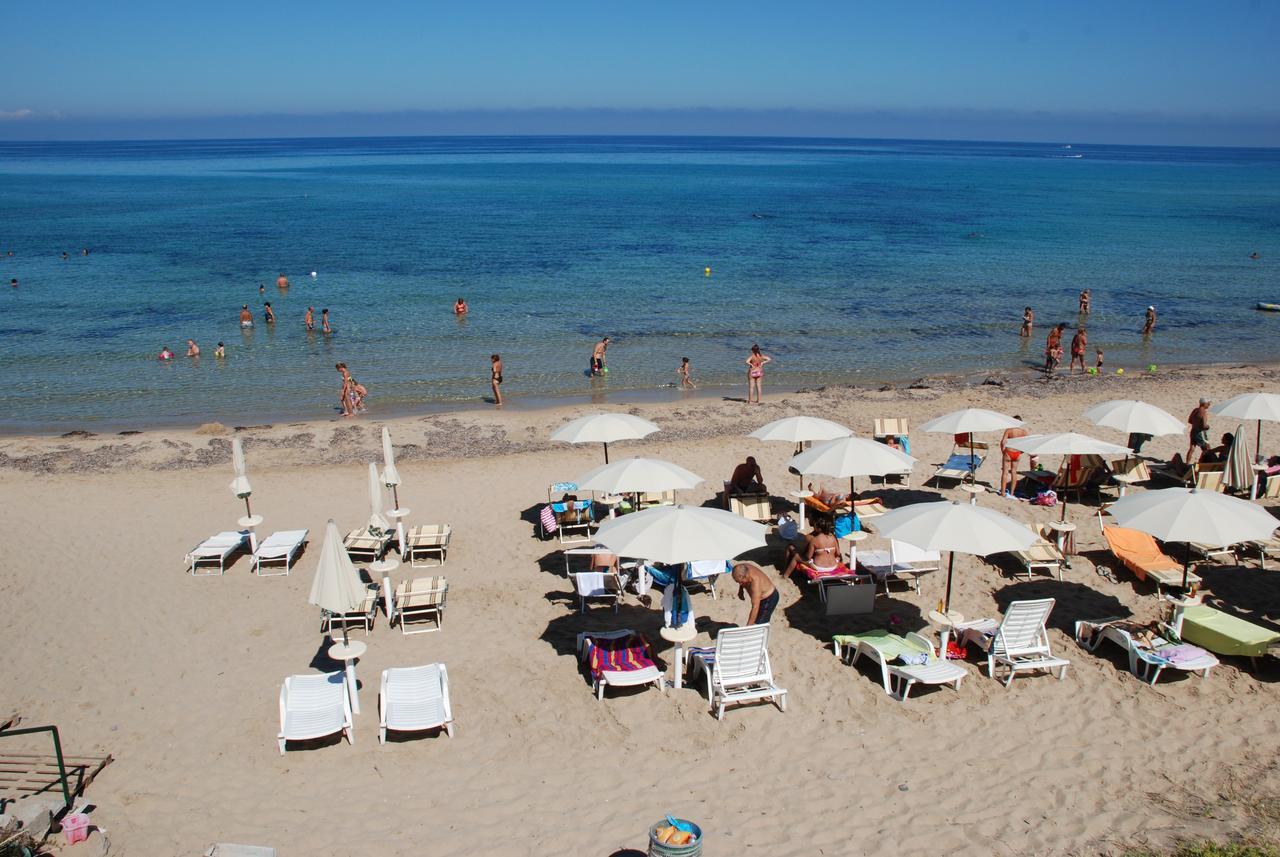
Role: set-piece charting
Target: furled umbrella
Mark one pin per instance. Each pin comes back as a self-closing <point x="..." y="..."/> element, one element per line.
<point x="1238" y="469"/>
<point x="390" y="476"/>
<point x="1251" y="406"/>
<point x="632" y="475"/>
<point x="851" y="457"/>
<point x="800" y="430"/>
<point x="1065" y="443"/>
<point x="336" y="587"/>
<point x="953" y="526"/>
<point x="1192" y="515"/>
<point x="240" y="485"/>
<point x="604" y="428"/>
<point x="970" y="421"/>
<point x="376" y="520"/>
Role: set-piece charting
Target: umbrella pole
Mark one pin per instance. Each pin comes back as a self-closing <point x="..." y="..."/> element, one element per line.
<point x="951" y="564"/>
<point x="395" y="495"/>
<point x="248" y="513"/>
<point x="852" y="492"/>
<point x="606" y="452"/>
<point x="1186" y="567"/>
<point x="1257" y="444"/>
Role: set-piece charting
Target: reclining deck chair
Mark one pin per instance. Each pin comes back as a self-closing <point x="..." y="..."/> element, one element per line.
<point x="885" y="648"/>
<point x="362" y="615"/>
<point x="1020" y="642"/>
<point x="367" y="544"/>
<point x="1142" y="556"/>
<point x="313" y="706"/>
<point x="420" y="599"/>
<point x="618" y="659"/>
<point x="737" y="669"/>
<point x="1221" y="632"/>
<point x="901" y="562"/>
<point x="897" y="430"/>
<point x="705" y="573"/>
<point x="599" y="586"/>
<point x="964" y="461"/>
<point x="214" y="551"/>
<point x="1147" y="657"/>
<point x="1043" y="553"/>
<point x="427" y="541"/>
<point x="279" y="547"/>
<point x="414" y="699"/>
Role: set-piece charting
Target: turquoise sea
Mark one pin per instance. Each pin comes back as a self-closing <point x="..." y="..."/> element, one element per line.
<point x="846" y="260"/>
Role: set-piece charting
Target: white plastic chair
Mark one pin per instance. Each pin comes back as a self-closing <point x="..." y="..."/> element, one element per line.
<point x="413" y="699"/>
<point x="738" y="671"/>
<point x="313" y="706"/>
<point x="1021" y="642"/>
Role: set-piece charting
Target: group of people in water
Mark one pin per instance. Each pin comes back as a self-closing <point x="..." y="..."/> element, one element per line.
<point x="1053" y="349"/>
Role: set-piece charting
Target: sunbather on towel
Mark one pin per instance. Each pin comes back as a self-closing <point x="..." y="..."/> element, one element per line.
<point x="764" y="595"/>
<point x="822" y="551"/>
<point x="829" y="498"/>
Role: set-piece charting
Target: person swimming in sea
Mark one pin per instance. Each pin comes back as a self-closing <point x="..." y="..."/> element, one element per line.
<point x="246" y="317"/>
<point x="268" y="314"/>
<point x="282" y="282"/>
<point x="165" y="353"/>
<point x="220" y="352"/>
<point x="460" y="307"/>
<point x="193" y="350"/>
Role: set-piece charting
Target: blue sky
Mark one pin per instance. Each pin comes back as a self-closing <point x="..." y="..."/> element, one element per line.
<point x="1153" y="72"/>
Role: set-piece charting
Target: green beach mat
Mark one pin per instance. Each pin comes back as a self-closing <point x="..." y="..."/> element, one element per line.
<point x="1224" y="634"/>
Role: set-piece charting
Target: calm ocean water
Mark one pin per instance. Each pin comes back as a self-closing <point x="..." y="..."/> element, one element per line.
<point x="846" y="260"/>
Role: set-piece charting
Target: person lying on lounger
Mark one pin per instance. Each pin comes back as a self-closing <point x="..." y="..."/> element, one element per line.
<point x="829" y="498"/>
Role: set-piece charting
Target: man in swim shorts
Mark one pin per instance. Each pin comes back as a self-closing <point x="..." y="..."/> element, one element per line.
<point x="598" y="356"/>
<point x="193" y="350"/>
<point x="309" y="320"/>
<point x="747" y="478"/>
<point x="246" y="317"/>
<point x="1009" y="458"/>
<point x="1198" y="419"/>
<point x="764" y="595"/>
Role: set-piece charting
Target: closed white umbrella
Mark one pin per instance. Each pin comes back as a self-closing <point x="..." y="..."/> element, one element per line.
<point x="1251" y="406"/>
<point x="605" y="429"/>
<point x="1066" y="443"/>
<point x="390" y="476"/>
<point x="1192" y="515"/>
<point x="240" y="485"/>
<point x="1134" y="417"/>
<point x="954" y="526"/>
<point x="970" y="421"/>
<point x="336" y="587"/>
<point x="1238" y="472"/>
<point x="852" y="456"/>
<point x="375" y="500"/>
<point x="638" y="474"/>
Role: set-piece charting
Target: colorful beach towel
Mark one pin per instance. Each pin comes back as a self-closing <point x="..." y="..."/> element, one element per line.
<point x="624" y="654"/>
<point x="814" y="573"/>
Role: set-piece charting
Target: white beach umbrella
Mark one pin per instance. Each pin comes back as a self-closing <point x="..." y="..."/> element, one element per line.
<point x="970" y="421"/>
<point x="1134" y="417"/>
<point x="1192" y="515"/>
<point x="800" y="429"/>
<point x="375" y="500"/>
<point x="1066" y="443"/>
<point x="1251" y="406"/>
<point x="954" y="526"/>
<point x="240" y="485"/>
<point x="336" y="586"/>
<point x="638" y="474"/>
<point x="852" y="456"/>
<point x="390" y="476"/>
<point x="674" y="534"/>
<point x="605" y="429"/>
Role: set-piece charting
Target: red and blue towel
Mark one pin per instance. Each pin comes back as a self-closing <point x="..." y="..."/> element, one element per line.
<point x="623" y="654"/>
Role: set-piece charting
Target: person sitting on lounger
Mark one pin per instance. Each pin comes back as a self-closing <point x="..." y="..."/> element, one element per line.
<point x="821" y="551"/>
<point x="755" y="583"/>
<point x="747" y="478"/>
<point x="1219" y="452"/>
<point x="605" y="562"/>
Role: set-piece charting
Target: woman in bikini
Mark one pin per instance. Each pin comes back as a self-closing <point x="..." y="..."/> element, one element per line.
<point x="822" y="552"/>
<point x="495" y="376"/>
<point x="1053" y="348"/>
<point x="755" y="373"/>
<point x="1009" y="459"/>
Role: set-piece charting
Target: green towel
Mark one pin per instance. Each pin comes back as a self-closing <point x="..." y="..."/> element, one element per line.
<point x="890" y="644"/>
<point x="1225" y="634"/>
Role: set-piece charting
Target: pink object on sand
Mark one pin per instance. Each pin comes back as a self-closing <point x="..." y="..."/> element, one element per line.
<point x="76" y="827"/>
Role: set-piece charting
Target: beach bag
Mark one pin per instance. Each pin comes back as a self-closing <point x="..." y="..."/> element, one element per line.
<point x="548" y="520"/>
<point x="843" y="526"/>
<point x="1045" y="498"/>
<point x="787" y="528"/>
<point x="956" y="651"/>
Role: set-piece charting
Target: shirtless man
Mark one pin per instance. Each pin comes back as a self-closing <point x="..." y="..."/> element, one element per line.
<point x="1028" y="321"/>
<point x="747" y="478"/>
<point x="1009" y="458"/>
<point x="246" y="317"/>
<point x="1079" y="343"/>
<point x="1198" y="419"/>
<point x="309" y="320"/>
<point x="764" y="595"/>
<point x="1149" y="326"/>
<point x="282" y="282"/>
<point x="193" y="350"/>
<point x="822" y="550"/>
<point x="598" y="357"/>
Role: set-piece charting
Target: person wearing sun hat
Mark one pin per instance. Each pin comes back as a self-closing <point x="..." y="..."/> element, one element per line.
<point x="1150" y="325"/>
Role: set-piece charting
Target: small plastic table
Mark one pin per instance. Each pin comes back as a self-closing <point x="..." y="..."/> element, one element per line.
<point x="973" y="490"/>
<point x="944" y="622"/>
<point x="348" y="652"/>
<point x="800" y="496"/>
<point x="383" y="568"/>
<point x="250" y="523"/>
<point x="851" y="542"/>
<point x="678" y="637"/>
<point x="1066" y="536"/>
<point x="398" y="515"/>
<point x="610" y="502"/>
<point x="1124" y="480"/>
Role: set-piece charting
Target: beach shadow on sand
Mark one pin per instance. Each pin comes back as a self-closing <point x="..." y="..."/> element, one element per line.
<point x="1072" y="601"/>
<point x="808" y="614"/>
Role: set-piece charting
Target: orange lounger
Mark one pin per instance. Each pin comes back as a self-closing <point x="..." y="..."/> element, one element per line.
<point x="1141" y="555"/>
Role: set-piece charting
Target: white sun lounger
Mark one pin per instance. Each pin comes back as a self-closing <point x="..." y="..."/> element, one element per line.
<point x="1042" y="553"/>
<point x="597" y="586"/>
<point x="366" y="545"/>
<point x="900" y="562"/>
<point x="426" y="542"/>
<point x="885" y="649"/>
<point x="413" y="699"/>
<point x="422" y="598"/>
<point x="279" y="547"/>
<point x="214" y="551"/>
<point x="1145" y="661"/>
<point x="313" y="706"/>
<point x="1267" y="547"/>
<point x="616" y="678"/>
<point x="1020" y="642"/>
<point x="738" y="670"/>
<point x="705" y="572"/>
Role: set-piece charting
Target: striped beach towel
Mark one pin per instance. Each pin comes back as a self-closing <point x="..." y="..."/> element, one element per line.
<point x="624" y="654"/>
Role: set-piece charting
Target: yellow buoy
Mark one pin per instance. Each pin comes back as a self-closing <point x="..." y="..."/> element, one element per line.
<point x="1119" y="371"/>
<point x="706" y="272"/>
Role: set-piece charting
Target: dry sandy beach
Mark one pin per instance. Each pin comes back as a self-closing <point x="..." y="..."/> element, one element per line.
<point x="178" y="677"/>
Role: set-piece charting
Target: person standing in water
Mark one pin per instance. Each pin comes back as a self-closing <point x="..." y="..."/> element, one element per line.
<point x="755" y="374"/>
<point x="1149" y="326"/>
<point x="268" y="314"/>
<point x="345" y="395"/>
<point x="598" y="357"/>
<point x="1053" y="347"/>
<point x="686" y="382"/>
<point x="1079" y="344"/>
<point x="282" y="282"/>
<point x="220" y="352"/>
<point x="460" y="307"/>
<point x="1085" y="298"/>
<point x="495" y="377"/>
<point x="309" y="320"/>
<point x="193" y="350"/>
<point x="246" y="317"/>
<point x="324" y="321"/>
<point x="1028" y="320"/>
